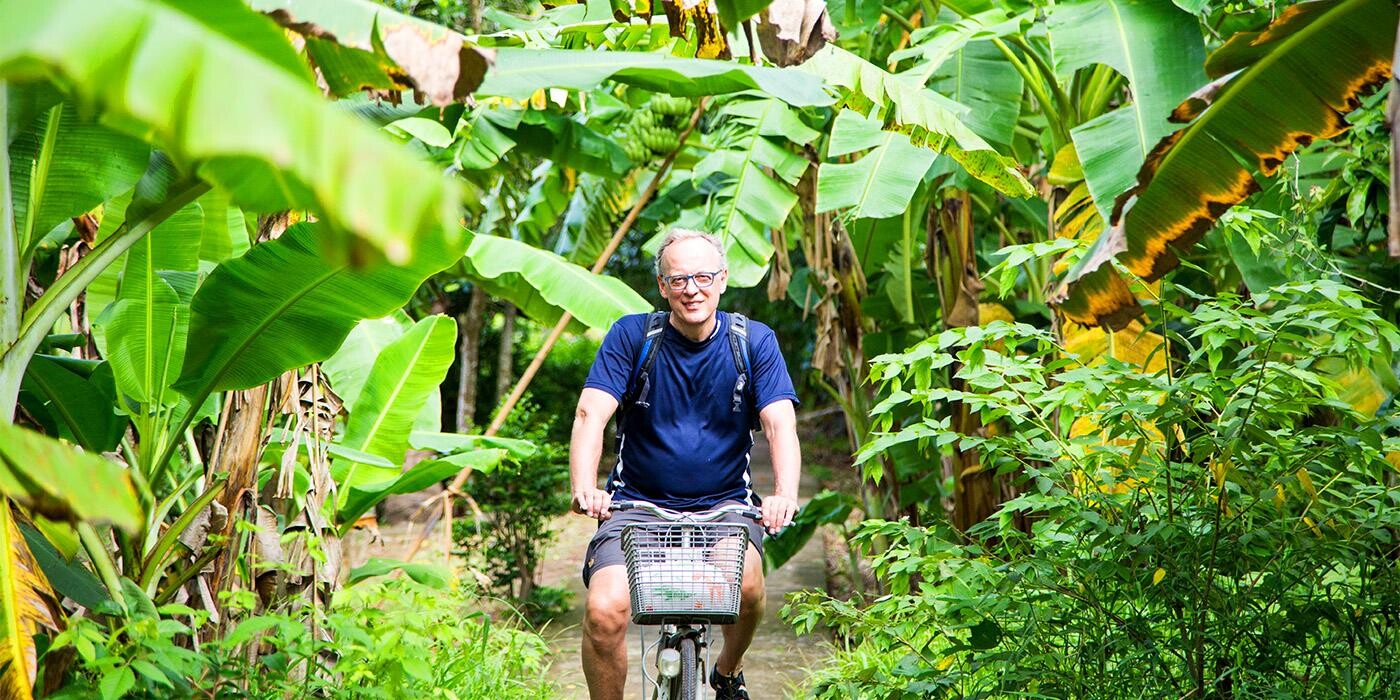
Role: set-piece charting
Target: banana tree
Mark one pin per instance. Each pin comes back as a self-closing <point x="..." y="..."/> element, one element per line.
<point x="1274" y="91"/>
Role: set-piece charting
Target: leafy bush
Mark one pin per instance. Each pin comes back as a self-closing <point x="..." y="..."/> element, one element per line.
<point x="382" y="639"/>
<point x="1227" y="527"/>
<point x="519" y="504"/>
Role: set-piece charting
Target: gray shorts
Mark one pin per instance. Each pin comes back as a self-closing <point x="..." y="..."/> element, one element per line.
<point x="605" y="549"/>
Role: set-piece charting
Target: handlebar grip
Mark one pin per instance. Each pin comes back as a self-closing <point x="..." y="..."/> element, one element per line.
<point x="618" y="506"/>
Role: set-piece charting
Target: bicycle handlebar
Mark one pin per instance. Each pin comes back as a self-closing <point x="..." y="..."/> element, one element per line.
<point x="708" y="516"/>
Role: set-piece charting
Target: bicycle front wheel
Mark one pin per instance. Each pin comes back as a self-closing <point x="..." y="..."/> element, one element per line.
<point x="690" y="667"/>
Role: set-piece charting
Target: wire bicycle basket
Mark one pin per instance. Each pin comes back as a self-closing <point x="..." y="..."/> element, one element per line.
<point x="685" y="572"/>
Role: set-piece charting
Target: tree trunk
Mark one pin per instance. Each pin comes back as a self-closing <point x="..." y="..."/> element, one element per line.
<point x="469" y="359"/>
<point x="505" y="359"/>
<point x="239" y="445"/>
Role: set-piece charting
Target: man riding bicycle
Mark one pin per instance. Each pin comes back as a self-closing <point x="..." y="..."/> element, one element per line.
<point x="691" y="383"/>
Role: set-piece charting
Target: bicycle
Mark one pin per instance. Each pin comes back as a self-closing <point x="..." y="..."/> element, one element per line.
<point x="684" y="575"/>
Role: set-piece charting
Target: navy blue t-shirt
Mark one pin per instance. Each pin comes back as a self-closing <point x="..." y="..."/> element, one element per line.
<point x="689" y="450"/>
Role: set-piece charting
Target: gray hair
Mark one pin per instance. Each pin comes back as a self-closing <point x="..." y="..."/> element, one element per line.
<point x="683" y="234"/>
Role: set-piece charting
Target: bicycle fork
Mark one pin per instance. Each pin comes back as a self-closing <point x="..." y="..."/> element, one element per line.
<point x="668" y="658"/>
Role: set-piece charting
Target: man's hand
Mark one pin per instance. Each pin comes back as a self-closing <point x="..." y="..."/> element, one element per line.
<point x="593" y="503"/>
<point x="778" y="512"/>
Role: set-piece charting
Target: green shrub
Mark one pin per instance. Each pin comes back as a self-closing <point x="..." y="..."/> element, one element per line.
<point x="519" y="503"/>
<point x="380" y="639"/>
<point x="1232" y="531"/>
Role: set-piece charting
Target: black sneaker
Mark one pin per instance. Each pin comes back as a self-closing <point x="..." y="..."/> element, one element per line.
<point x="728" y="687"/>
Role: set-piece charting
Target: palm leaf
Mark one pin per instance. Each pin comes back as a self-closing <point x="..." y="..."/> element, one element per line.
<point x="349" y="367"/>
<point x="880" y="183"/>
<point x="1296" y="81"/>
<point x="65" y="165"/>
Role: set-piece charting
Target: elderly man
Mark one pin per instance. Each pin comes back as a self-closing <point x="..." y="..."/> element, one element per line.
<point x="686" y="448"/>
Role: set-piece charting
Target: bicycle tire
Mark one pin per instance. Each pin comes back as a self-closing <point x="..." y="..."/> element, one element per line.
<point x="689" y="676"/>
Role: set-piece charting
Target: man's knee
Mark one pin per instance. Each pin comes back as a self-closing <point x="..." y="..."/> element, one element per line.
<point x="609" y="609"/>
<point x="752" y="592"/>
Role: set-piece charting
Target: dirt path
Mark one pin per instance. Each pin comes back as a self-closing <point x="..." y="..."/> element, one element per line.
<point x="774" y="664"/>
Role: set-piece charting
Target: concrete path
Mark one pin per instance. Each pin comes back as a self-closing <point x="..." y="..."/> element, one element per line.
<point x="775" y="663"/>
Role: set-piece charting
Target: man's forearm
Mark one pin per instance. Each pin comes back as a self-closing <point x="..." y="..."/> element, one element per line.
<point x="585" y="450"/>
<point x="787" y="462"/>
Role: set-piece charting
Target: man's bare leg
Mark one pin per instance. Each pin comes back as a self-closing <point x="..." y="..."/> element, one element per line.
<point x="739" y="635"/>
<point x="605" y="633"/>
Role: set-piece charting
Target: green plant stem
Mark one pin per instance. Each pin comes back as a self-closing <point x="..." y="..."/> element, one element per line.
<point x="155" y="563"/>
<point x="102" y="562"/>
<point x="1103" y="81"/>
<point x="1066" y="106"/>
<point x="1034" y="83"/>
<point x="899" y="19"/>
<point x="41" y="317"/>
<point x="931" y="9"/>
<point x="11" y="285"/>
<point x="173" y="586"/>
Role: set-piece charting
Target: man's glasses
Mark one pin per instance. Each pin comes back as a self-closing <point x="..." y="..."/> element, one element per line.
<point x="678" y="283"/>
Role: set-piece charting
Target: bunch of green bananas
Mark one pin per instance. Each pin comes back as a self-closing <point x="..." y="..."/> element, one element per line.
<point x="654" y="129"/>
<point x="671" y="106"/>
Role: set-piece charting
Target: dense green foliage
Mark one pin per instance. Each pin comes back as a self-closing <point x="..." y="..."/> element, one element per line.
<point x="382" y="639"/>
<point x="258" y="306"/>
<point x="520" y="503"/>
<point x="1230" y="524"/>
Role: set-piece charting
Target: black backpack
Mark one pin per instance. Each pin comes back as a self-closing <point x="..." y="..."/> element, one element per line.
<point x="639" y="385"/>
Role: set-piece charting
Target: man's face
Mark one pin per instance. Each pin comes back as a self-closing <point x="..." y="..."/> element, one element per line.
<point x="693" y="305"/>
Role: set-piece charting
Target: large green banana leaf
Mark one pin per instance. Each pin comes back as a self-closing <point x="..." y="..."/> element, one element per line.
<point x="453" y="443"/>
<point x="82" y="406"/>
<point x="749" y="146"/>
<point x="180" y="80"/>
<point x="169" y="247"/>
<point x="933" y="119"/>
<point x="62" y="165"/>
<point x="880" y="183"/>
<point x="285" y="304"/>
<point x="979" y="77"/>
<point x="357" y="44"/>
<point x="26" y="604"/>
<point x="1296" y="81"/>
<point x="405" y="373"/>
<point x="61" y="483"/>
<point x="349" y="367"/>
<point x="595" y="300"/>
<point x="359" y="499"/>
<point x="1158" y="48"/>
<point x="146" y="328"/>
<point x="518" y="73"/>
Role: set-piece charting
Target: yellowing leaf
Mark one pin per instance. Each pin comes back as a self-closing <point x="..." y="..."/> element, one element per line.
<point x="1158" y="575"/>
<point x="26" y="603"/>
<point x="1306" y="481"/>
<point x="1134" y="345"/>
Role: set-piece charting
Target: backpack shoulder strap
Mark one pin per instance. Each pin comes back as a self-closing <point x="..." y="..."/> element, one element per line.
<point x="646" y="359"/>
<point x="739" y="347"/>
